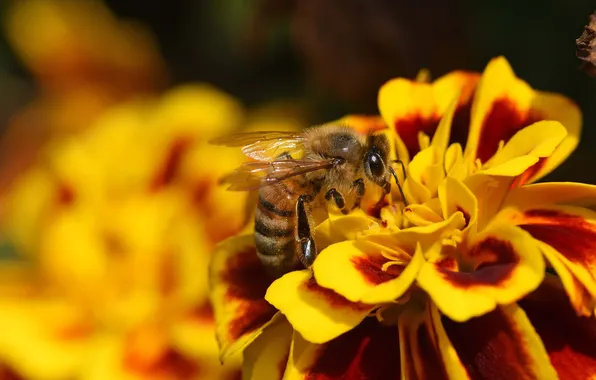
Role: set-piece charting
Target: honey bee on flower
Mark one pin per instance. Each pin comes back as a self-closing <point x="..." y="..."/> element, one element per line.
<point x="337" y="165"/>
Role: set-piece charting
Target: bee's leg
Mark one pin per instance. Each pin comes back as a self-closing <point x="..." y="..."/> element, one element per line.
<point x="359" y="187"/>
<point x="338" y="199"/>
<point x="307" y="248"/>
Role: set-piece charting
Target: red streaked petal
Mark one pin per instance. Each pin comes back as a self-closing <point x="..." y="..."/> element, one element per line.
<point x="420" y="356"/>
<point x="501" y="344"/>
<point x="318" y="314"/>
<point x="504" y="104"/>
<point x="568" y="338"/>
<point x="369" y="351"/>
<point x="571" y="233"/>
<point x="238" y="286"/>
<point x="501" y="108"/>
<point x="502" y="122"/>
<point x="358" y="273"/>
<point x="503" y="265"/>
<point x="412" y="107"/>
<point x="525" y="148"/>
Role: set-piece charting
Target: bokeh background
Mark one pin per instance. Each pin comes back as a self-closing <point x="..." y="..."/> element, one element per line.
<point x="109" y="198"/>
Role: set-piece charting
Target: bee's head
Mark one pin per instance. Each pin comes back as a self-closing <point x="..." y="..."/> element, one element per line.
<point x="376" y="160"/>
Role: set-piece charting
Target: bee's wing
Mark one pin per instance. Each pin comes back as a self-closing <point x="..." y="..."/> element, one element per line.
<point x="265" y="145"/>
<point x="254" y="175"/>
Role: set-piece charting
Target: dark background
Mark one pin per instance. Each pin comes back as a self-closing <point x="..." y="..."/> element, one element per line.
<point x="332" y="55"/>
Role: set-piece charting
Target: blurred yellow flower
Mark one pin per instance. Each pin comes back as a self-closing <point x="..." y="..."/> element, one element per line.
<point x="117" y="225"/>
<point x="72" y="44"/>
<point x="84" y="60"/>
<point x="449" y="282"/>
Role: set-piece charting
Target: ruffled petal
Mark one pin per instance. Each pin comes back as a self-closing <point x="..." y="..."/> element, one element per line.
<point x="426" y="170"/>
<point x="538" y="141"/>
<point x="502" y="264"/>
<point x="266" y="357"/>
<point x="338" y="227"/>
<point x="569" y="237"/>
<point x="362" y="273"/>
<point x="318" y="313"/>
<point x="238" y="286"/>
<point x="412" y="107"/>
<point x="490" y="192"/>
<point x="564" y="110"/>
<point x="422" y="214"/>
<point x="501" y="343"/>
<point x="369" y="351"/>
<point x="504" y="104"/>
<point x="455" y="196"/>
<point x="567" y="337"/>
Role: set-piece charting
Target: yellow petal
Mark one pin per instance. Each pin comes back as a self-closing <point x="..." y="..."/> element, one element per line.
<point x="440" y="140"/>
<point x="238" y="286"/>
<point x="540" y="194"/>
<point x="504" y="265"/>
<point x="427" y="170"/>
<point x="454" y="197"/>
<point x="361" y="275"/>
<point x="266" y="357"/>
<point x="455" y="165"/>
<point x="319" y="314"/>
<point x="564" y="110"/>
<point x="501" y="342"/>
<point x="421" y="215"/>
<point x="340" y="227"/>
<point x="369" y="351"/>
<point x="490" y="192"/>
<point x="406" y="240"/>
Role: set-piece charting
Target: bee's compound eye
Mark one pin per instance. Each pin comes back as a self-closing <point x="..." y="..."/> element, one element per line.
<point x="376" y="165"/>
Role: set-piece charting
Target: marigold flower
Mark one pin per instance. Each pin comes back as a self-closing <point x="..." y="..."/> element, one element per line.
<point x="457" y="282"/>
<point x="116" y="225"/>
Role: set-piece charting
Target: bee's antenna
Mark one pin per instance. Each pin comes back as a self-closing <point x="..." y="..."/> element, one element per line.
<point x="403" y="166"/>
<point x="401" y="191"/>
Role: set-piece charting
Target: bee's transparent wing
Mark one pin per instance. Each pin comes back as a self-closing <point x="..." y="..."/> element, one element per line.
<point x="264" y="145"/>
<point x="254" y="175"/>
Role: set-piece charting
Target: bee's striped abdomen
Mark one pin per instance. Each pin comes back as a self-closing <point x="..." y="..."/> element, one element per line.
<point x="275" y="228"/>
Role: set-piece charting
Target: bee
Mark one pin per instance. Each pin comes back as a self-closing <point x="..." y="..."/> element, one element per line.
<point x="336" y="164"/>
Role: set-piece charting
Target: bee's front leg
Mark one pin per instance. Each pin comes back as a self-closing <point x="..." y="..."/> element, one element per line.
<point x="307" y="247"/>
<point x="338" y="199"/>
